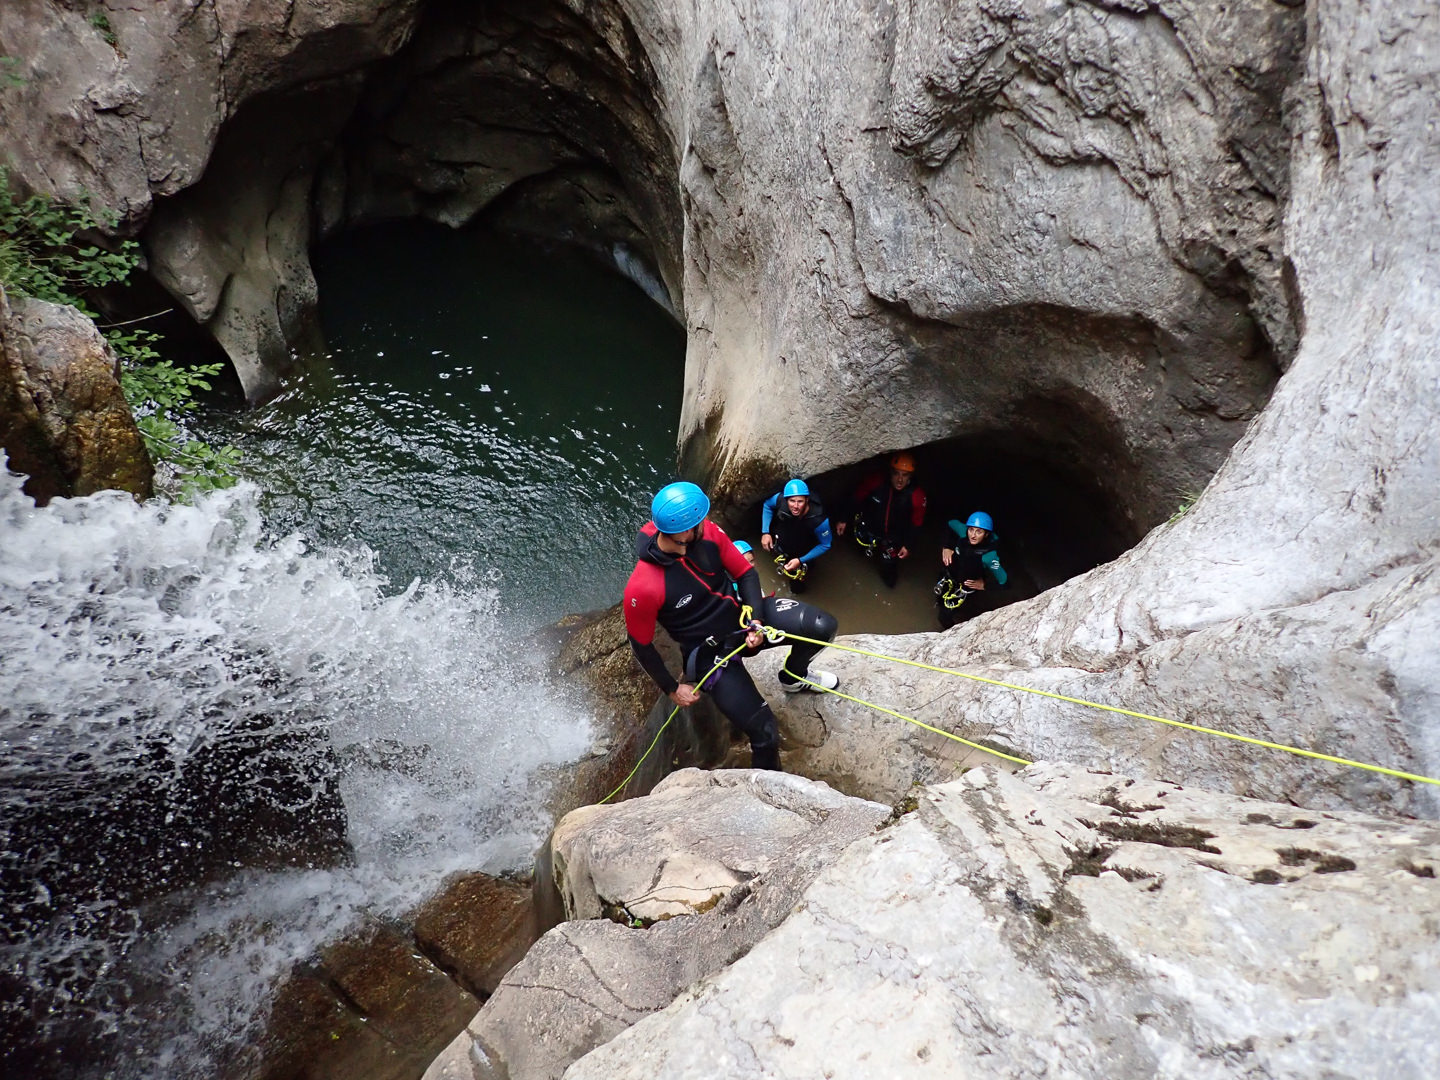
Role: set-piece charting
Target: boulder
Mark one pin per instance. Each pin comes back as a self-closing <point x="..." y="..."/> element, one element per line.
<point x="761" y="838"/>
<point x="64" y="421"/>
<point x="1069" y="922"/>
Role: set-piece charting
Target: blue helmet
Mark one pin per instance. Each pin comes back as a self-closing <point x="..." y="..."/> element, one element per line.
<point x="678" y="508"/>
<point x="980" y="520"/>
<point x="796" y="487"/>
<point x="742" y="547"/>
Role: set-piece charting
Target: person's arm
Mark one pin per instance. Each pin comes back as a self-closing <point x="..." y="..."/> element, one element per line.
<point x="748" y="585"/>
<point x="822" y="542"/>
<point x="654" y="666"/>
<point x="641" y="602"/>
<point x="991" y="562"/>
<point x="849" y="507"/>
<point x="947" y="553"/>
<point x="767" y="512"/>
<point x="917" y="518"/>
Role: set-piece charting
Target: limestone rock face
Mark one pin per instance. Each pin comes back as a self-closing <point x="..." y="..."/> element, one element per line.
<point x="128" y="104"/>
<point x="64" y="421"/>
<point x="1056" y="226"/>
<point x="1073" y="923"/>
<point x="683" y="849"/>
<point x="761" y="838"/>
<point x="1299" y="600"/>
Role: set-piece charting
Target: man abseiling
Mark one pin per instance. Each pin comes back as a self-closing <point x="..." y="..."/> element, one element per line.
<point x="686" y="579"/>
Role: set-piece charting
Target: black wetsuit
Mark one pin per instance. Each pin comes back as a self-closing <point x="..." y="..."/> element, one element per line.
<point x="887" y="520"/>
<point x="970" y="562"/>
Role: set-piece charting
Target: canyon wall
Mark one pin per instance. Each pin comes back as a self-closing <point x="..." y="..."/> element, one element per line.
<point x="1090" y="233"/>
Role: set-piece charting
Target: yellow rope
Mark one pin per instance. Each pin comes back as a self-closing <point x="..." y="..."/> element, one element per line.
<point x="718" y="665"/>
<point x="1107" y="708"/>
<point x="917" y="723"/>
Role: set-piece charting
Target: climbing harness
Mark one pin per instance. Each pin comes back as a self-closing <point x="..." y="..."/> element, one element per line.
<point x="798" y="574"/>
<point x="951" y="593"/>
<point x="870" y="543"/>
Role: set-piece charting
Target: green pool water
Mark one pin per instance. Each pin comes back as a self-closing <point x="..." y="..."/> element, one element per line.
<point x="490" y="410"/>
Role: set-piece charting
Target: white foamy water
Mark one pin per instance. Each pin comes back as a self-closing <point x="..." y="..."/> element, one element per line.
<point x="179" y="660"/>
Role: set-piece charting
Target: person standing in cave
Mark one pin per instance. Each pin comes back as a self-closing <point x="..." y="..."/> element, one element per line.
<point x="888" y="513"/>
<point x="686" y="578"/>
<point x="967" y="569"/>
<point x="792" y="520"/>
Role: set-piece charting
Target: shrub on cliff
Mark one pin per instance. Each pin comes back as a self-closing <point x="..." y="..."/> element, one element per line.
<point x="44" y="254"/>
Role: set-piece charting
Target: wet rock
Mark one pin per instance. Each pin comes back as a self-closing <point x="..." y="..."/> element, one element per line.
<point x="64" y="421"/>
<point x="477" y="929"/>
<point x="371" y="1005"/>
<point x="1071" y="922"/>
<point x="584" y="982"/>
<point x="383" y="1002"/>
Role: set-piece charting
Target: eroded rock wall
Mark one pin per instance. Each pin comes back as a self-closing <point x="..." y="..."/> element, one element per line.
<point x="1299" y="600"/>
<point x="128" y="105"/>
<point x="1058" y="224"/>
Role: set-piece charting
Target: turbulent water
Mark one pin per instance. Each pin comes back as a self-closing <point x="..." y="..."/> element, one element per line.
<point x="155" y="660"/>
<point x="231" y="731"/>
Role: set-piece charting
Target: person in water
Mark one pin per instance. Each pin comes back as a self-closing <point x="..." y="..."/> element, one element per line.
<point x="792" y="520"/>
<point x="684" y="571"/>
<point x="968" y="567"/>
<point x="888" y="514"/>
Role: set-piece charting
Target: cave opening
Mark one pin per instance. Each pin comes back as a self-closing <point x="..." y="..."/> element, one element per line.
<point x="1053" y="521"/>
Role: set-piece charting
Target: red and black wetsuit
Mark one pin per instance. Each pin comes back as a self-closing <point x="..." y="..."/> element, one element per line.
<point x="691" y="596"/>
<point x="891" y="517"/>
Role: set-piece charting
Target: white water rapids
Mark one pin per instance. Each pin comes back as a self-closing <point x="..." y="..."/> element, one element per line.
<point x="160" y="666"/>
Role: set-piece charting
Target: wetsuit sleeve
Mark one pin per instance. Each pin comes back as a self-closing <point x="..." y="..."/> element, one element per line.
<point x="846" y="510"/>
<point x="654" y="666"/>
<point x="992" y="563"/>
<point x="917" y="518"/>
<point x="643" y="596"/>
<point x="767" y="511"/>
<point x="823" y="540"/>
<point x="958" y="528"/>
<point x="748" y="584"/>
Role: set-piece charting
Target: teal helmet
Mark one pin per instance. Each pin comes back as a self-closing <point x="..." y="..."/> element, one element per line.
<point x="980" y="520"/>
<point x="742" y="547"/>
<point x="796" y="487"/>
<point x="678" y="508"/>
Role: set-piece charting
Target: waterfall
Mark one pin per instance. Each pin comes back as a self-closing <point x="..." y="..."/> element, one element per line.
<point x="220" y="748"/>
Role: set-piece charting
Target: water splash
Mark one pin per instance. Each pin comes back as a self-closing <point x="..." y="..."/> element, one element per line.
<point x="188" y="703"/>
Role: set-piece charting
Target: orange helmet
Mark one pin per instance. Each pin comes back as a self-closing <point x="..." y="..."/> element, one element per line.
<point x="903" y="462"/>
